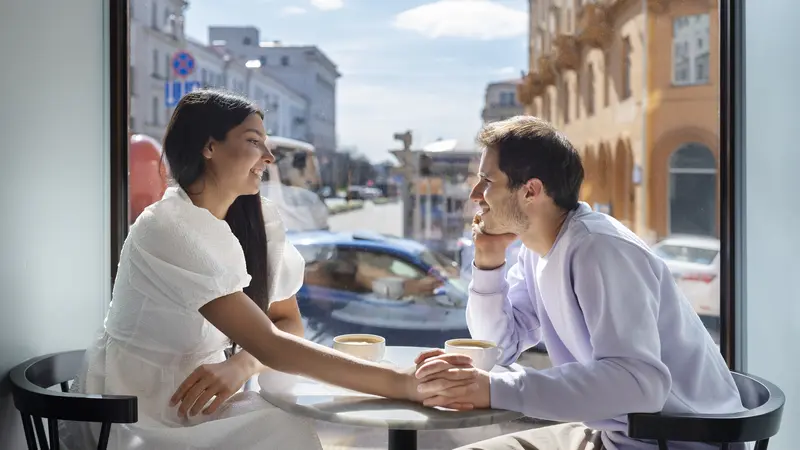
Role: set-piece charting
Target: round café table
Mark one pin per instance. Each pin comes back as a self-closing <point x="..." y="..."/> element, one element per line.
<point x="402" y="419"/>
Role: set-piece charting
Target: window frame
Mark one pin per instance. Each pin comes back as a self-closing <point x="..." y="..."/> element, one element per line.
<point x="731" y="85"/>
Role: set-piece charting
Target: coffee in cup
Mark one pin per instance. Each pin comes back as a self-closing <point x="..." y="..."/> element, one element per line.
<point x="484" y="354"/>
<point x="365" y="346"/>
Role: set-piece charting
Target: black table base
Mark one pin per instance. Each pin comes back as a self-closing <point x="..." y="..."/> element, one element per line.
<point x="402" y="439"/>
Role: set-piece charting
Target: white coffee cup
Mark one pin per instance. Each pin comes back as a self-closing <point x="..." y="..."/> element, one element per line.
<point x="365" y="346"/>
<point x="389" y="287"/>
<point x="484" y="354"/>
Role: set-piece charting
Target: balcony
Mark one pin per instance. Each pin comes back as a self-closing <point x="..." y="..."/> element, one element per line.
<point x="594" y="26"/>
<point x="567" y="52"/>
<point x="530" y="88"/>
<point x="547" y="69"/>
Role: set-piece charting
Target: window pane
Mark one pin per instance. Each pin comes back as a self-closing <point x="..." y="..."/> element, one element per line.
<point x="373" y="133"/>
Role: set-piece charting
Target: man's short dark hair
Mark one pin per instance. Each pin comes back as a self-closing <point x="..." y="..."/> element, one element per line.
<point x="528" y="147"/>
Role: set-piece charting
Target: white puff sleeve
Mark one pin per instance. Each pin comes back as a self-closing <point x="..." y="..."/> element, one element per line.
<point x="184" y="257"/>
<point x="285" y="264"/>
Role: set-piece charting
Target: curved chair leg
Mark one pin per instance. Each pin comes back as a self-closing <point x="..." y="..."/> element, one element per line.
<point x="105" y="432"/>
<point x="37" y="423"/>
<point x="30" y="438"/>
<point x="52" y="425"/>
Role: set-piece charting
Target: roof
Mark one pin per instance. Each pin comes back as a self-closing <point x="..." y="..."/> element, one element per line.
<point x="363" y="239"/>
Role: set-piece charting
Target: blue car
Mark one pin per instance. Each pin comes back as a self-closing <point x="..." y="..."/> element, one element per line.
<point x="363" y="282"/>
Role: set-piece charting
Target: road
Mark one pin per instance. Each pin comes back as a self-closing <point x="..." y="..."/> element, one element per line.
<point x="386" y="219"/>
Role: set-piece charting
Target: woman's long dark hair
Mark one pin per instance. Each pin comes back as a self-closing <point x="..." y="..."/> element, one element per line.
<point x="210" y="114"/>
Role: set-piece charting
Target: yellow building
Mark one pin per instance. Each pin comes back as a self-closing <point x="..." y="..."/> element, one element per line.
<point x="634" y="85"/>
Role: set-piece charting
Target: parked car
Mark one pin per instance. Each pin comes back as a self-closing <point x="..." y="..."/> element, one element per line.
<point x="352" y="281"/>
<point x="694" y="263"/>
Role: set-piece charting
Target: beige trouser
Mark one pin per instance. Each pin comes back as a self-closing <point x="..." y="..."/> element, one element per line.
<point x="569" y="436"/>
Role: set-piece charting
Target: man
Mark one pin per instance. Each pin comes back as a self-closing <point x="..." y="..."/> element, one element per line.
<point x="621" y="336"/>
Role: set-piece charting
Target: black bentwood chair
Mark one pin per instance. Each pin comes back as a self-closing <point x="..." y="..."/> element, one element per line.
<point x="29" y="385"/>
<point x="762" y="420"/>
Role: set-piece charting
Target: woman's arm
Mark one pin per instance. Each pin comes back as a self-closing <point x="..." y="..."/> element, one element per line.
<point x="285" y="314"/>
<point x="240" y="319"/>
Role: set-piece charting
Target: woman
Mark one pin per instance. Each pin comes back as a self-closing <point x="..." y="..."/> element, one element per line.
<point x="200" y="268"/>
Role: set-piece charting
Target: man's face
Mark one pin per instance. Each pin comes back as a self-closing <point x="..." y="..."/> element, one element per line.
<point x="500" y="207"/>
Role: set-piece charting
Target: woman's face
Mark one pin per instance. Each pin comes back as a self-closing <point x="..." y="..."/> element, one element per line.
<point x="237" y="163"/>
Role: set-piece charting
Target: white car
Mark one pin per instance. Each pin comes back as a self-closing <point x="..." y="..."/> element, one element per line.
<point x="694" y="263"/>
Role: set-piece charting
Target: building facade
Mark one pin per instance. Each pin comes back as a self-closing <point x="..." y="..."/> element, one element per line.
<point x="500" y="101"/>
<point x="305" y="69"/>
<point x="157" y="37"/>
<point x="630" y="83"/>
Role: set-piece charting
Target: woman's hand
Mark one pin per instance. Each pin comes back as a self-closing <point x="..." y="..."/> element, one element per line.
<point x="442" y="375"/>
<point x="219" y="381"/>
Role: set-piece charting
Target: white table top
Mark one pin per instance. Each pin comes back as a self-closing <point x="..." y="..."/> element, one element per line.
<point x="320" y="401"/>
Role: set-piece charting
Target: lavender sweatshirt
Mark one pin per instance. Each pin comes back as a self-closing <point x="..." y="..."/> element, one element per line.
<point x="621" y="336"/>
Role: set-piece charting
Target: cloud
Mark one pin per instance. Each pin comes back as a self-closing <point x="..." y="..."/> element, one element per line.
<point x="292" y="10"/>
<point x="327" y="5"/>
<point x="471" y="19"/>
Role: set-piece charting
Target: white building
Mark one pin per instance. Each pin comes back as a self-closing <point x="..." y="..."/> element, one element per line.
<point x="157" y="36"/>
<point x="304" y="69"/>
<point x="501" y="101"/>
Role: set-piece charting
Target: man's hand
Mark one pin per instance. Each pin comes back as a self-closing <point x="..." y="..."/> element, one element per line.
<point x="453" y="374"/>
<point x="490" y="249"/>
<point x="219" y="381"/>
<point x="430" y="367"/>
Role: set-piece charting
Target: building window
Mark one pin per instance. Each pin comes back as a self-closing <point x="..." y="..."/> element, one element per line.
<point x="590" y="89"/>
<point x="693" y="191"/>
<point x="247" y="41"/>
<point x="627" y="65"/>
<point x="284" y="60"/>
<point x="546" y="106"/>
<point x="167" y="66"/>
<point x="578" y="93"/>
<point x="507" y="98"/>
<point x="690" y="50"/>
<point x="565" y="101"/>
<point x="606" y="80"/>
<point x="153" y="15"/>
<point x="154" y="73"/>
<point x="204" y="77"/>
<point x="156" y="106"/>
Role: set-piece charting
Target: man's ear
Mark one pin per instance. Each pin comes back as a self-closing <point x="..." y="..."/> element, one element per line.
<point x="532" y="188"/>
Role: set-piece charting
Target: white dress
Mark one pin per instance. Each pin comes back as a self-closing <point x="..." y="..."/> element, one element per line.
<point x="177" y="257"/>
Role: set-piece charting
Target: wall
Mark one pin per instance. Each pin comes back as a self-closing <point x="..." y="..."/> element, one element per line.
<point x="54" y="183"/>
<point x="677" y="114"/>
<point x="772" y="246"/>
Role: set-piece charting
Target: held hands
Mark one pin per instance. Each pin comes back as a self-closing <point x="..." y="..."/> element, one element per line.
<point x="448" y="380"/>
<point x="219" y="381"/>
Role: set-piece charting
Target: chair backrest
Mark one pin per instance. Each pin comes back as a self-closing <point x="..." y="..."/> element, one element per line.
<point x="764" y="402"/>
<point x="30" y="382"/>
<point x="753" y="392"/>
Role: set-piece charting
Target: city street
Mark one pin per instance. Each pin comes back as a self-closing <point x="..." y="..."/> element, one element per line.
<point x="386" y="218"/>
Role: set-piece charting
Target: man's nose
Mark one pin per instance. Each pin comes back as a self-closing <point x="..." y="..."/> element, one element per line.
<point x="476" y="195"/>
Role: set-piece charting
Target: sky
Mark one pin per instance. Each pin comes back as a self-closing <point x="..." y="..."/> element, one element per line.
<point x="419" y="65"/>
